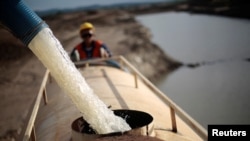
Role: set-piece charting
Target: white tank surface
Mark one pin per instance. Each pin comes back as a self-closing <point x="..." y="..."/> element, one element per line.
<point x="118" y="89"/>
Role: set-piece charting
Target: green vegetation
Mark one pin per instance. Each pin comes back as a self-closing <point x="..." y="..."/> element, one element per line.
<point x="234" y="8"/>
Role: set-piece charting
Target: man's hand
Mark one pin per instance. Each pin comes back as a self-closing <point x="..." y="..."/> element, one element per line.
<point x="104" y="53"/>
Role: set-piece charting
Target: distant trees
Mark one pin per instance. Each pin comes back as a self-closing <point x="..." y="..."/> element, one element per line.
<point x="234" y="8"/>
<point x="219" y="2"/>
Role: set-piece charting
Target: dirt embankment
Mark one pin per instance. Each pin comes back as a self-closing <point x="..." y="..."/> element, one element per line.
<point x="21" y="72"/>
<point x="122" y="34"/>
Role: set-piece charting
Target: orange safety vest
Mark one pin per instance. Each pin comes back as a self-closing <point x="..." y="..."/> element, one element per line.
<point x="95" y="51"/>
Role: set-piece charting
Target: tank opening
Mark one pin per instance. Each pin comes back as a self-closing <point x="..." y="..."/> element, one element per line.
<point x="135" y="119"/>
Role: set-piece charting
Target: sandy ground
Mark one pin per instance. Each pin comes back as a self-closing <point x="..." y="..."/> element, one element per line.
<point x="21" y="72"/>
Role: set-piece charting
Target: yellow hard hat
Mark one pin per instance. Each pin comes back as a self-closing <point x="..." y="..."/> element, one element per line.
<point x="86" y="25"/>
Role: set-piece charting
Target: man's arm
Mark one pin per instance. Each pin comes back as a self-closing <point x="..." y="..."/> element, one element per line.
<point x="105" y="52"/>
<point x="74" y="55"/>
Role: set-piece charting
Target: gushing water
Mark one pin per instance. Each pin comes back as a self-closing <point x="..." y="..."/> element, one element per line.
<point x="50" y="52"/>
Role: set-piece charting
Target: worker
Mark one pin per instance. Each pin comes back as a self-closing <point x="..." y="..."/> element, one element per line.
<point x="89" y="48"/>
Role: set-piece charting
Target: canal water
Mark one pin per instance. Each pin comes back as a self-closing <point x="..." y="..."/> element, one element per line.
<point x="218" y="90"/>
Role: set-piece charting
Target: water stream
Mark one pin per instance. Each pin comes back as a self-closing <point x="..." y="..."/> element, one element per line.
<point x="50" y="52"/>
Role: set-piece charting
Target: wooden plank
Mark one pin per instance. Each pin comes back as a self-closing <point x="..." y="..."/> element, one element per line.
<point x="28" y="126"/>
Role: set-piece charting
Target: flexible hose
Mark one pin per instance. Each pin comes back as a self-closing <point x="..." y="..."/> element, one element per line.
<point x="20" y="19"/>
